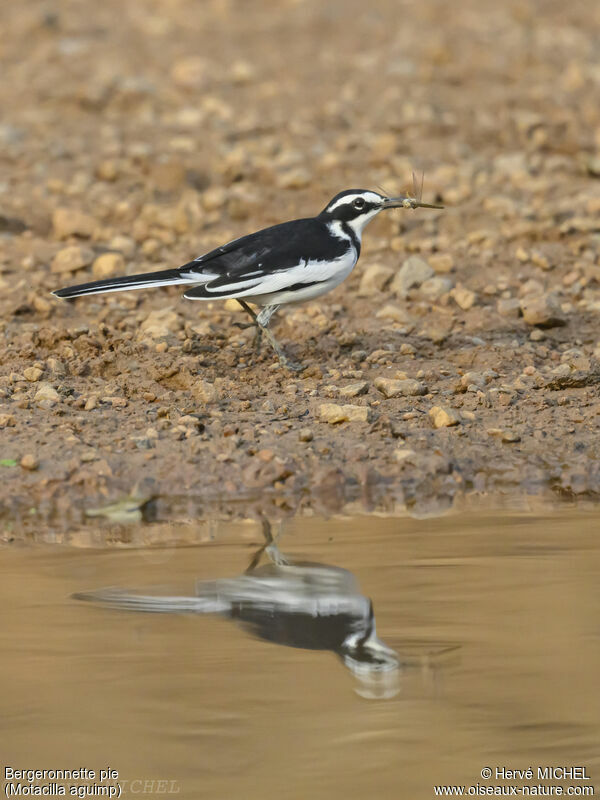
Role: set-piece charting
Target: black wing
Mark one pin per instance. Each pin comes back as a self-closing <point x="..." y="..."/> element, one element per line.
<point x="272" y="250"/>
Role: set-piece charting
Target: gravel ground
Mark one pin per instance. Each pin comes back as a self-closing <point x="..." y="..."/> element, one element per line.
<point x="460" y="356"/>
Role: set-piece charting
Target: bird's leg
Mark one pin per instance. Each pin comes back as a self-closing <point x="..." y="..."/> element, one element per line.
<point x="254" y="323"/>
<point x="262" y="320"/>
<point x="266" y="547"/>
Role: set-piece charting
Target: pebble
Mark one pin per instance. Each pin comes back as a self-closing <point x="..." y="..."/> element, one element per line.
<point x="108" y="264"/>
<point x="205" y="391"/>
<point x="298" y="178"/>
<point x="542" y="310"/>
<point x="46" y="395"/>
<point x="29" y="462"/>
<point x="508" y="307"/>
<point x="160" y="323"/>
<point x="473" y="378"/>
<point x="32" y="374"/>
<point x="441" y="262"/>
<point x="463" y="297"/>
<point x="443" y="417"/>
<point x="354" y="389"/>
<point x="408" y="387"/>
<point x="190" y="72"/>
<point x="413" y="272"/>
<point x="540" y="260"/>
<point x="434" y="288"/>
<point x="402" y="454"/>
<point x="305" y="435"/>
<point x="395" y="313"/>
<point x="242" y="203"/>
<point x="374" y="280"/>
<point x="531" y="287"/>
<point x="70" y="222"/>
<point x="7" y="421"/>
<point x="214" y="198"/>
<point x="72" y="258"/>
<point x="333" y="413"/>
<point x="505" y="435"/>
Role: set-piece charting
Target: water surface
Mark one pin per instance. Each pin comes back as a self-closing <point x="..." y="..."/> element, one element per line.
<point x="493" y="619"/>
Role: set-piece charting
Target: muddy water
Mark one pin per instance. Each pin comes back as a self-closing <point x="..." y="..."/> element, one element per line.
<point x="487" y="653"/>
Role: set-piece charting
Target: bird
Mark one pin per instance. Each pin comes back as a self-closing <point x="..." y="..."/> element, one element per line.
<point x="300" y="604"/>
<point x="291" y="262"/>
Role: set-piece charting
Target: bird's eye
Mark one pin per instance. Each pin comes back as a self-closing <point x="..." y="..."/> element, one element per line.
<point x="359" y="202"/>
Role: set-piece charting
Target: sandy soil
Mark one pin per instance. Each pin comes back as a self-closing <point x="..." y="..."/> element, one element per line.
<point x="137" y="135"/>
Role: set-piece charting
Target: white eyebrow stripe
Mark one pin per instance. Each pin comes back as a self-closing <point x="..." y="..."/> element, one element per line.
<point x="349" y="198"/>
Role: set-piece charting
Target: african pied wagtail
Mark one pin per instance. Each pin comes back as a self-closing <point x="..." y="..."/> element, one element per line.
<point x="287" y="263"/>
<point x="296" y="604"/>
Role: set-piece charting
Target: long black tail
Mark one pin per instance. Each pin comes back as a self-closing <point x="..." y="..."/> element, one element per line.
<point x="165" y="277"/>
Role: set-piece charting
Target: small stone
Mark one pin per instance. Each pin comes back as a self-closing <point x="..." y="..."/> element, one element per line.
<point x="407" y="349"/>
<point x="91" y="403"/>
<point x="298" y="178"/>
<point x="463" y="297"/>
<point x="531" y="287"/>
<point x="413" y="272"/>
<point x="107" y="171"/>
<point x="473" y="378"/>
<point x="108" y="264"/>
<point x="504" y="434"/>
<point x="522" y="255"/>
<point x="375" y="278"/>
<point x="443" y="417"/>
<point x="72" y="258"/>
<point x="214" y="198"/>
<point x="242" y="203"/>
<point x="32" y="374"/>
<point x="508" y="307"/>
<point x="46" y="395"/>
<point x="436" y="287"/>
<point x="205" y="391"/>
<point x="576" y="359"/>
<point x="441" y="262"/>
<point x="242" y="72"/>
<point x="305" y="435"/>
<point x="354" y="389"/>
<point x="408" y="387"/>
<point x="190" y="72"/>
<point x="402" y="454"/>
<point x="7" y="421"/>
<point x="543" y="310"/>
<point x="537" y="335"/>
<point x="333" y="413"/>
<point x="160" y="323"/>
<point x="540" y="260"/>
<point x="168" y="176"/>
<point x="265" y="455"/>
<point x="395" y="313"/>
<point x="70" y="222"/>
<point x="29" y="462"/>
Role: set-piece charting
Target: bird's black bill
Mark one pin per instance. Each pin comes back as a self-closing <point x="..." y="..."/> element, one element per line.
<point x="407" y="202"/>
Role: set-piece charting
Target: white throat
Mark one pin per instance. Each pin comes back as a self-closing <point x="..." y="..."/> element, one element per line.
<point x="358" y="223"/>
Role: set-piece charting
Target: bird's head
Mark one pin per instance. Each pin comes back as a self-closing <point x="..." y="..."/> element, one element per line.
<point x="357" y="207"/>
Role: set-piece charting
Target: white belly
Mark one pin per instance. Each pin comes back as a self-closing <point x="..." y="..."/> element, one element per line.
<point x="324" y="278"/>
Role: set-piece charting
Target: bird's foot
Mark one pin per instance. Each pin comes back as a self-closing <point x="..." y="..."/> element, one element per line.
<point x="295" y="366"/>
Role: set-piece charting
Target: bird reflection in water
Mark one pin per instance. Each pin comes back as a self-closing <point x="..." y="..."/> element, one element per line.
<point x="296" y="604"/>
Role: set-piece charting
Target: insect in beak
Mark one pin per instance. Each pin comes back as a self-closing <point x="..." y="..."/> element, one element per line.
<point x="408" y="201"/>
